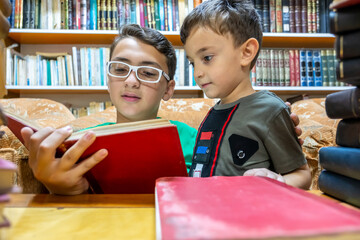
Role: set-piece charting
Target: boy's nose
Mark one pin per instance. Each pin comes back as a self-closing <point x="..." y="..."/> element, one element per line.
<point x="132" y="80"/>
<point x="198" y="73"/>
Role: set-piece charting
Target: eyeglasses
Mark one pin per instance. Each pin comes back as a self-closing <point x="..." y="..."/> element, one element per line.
<point x="143" y="73"/>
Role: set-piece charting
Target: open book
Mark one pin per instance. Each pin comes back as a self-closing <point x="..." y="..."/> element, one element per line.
<point x="247" y="207"/>
<point x="139" y="153"/>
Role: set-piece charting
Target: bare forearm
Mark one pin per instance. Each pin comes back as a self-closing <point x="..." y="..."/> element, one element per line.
<point x="300" y="178"/>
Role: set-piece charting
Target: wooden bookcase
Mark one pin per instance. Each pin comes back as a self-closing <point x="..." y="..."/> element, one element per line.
<point x="30" y="39"/>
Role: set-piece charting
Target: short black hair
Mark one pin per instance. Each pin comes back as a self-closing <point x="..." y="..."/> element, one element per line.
<point x="151" y="37"/>
<point x="237" y="17"/>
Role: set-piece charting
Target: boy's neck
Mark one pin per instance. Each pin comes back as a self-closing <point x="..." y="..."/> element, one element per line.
<point x="244" y="89"/>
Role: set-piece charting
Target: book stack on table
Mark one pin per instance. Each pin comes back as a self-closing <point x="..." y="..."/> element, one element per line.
<point x="341" y="175"/>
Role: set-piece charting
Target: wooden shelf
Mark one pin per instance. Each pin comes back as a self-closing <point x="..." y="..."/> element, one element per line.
<point x="273" y="40"/>
<point x="45" y="36"/>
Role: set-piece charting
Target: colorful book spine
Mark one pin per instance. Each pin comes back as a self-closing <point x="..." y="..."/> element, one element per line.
<point x="303" y="75"/>
<point x="281" y="68"/>
<point x="266" y="73"/>
<point x="324" y="65"/>
<point x="272" y="11"/>
<point x="266" y="16"/>
<point x="161" y="15"/>
<point x="309" y="68"/>
<point x="287" y="67"/>
<point x="298" y="19"/>
<point x="286" y="15"/>
<point x="83" y="14"/>
<point x="331" y="67"/>
<point x="317" y="68"/>
<point x="279" y="21"/>
<point x="292" y="67"/>
<point x="259" y="70"/>
<point x="93" y="15"/>
<point x="115" y="16"/>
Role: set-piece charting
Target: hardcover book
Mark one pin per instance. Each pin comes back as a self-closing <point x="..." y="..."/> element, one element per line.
<point x="340" y="20"/>
<point x="348" y="71"/>
<point x="246" y="207"/>
<point x="343" y="104"/>
<point x="348" y="45"/>
<point x="138" y="153"/>
<point x="341" y="160"/>
<point x="348" y="132"/>
<point x="340" y="187"/>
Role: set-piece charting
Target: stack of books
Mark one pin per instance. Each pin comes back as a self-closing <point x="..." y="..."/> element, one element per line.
<point x="341" y="175"/>
<point x="7" y="170"/>
<point x="345" y="24"/>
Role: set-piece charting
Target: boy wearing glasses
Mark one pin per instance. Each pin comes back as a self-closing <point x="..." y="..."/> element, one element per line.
<point x="246" y="132"/>
<point x="141" y="72"/>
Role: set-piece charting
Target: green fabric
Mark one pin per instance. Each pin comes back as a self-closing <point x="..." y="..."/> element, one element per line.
<point x="187" y="137"/>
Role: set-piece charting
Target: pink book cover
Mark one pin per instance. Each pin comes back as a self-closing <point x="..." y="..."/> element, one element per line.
<point x="141" y="7"/>
<point x="246" y="208"/>
<point x="297" y="67"/>
<point x="292" y="68"/>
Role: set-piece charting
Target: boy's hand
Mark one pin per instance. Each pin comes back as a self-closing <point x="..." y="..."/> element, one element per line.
<point x="60" y="175"/>
<point x="296" y="122"/>
<point x="263" y="172"/>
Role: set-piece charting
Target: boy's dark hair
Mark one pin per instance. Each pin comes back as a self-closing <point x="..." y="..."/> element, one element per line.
<point x="237" y="17"/>
<point x="151" y="37"/>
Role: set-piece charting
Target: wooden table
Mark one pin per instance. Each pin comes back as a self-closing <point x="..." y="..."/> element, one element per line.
<point x="102" y="216"/>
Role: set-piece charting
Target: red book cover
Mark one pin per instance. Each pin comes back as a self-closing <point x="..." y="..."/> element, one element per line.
<point x="337" y="4"/>
<point x="246" y="208"/>
<point x="292" y="68"/>
<point x="138" y="154"/>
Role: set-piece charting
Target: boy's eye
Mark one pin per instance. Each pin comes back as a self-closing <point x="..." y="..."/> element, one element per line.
<point x="208" y="58"/>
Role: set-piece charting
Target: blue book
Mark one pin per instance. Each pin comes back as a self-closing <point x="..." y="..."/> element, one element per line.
<point x="102" y="73"/>
<point x="302" y="59"/>
<point x="317" y="68"/>
<point x="309" y="69"/>
<point x="170" y="15"/>
<point x="341" y="160"/>
<point x="133" y="11"/>
<point x="161" y="14"/>
<point x="340" y="187"/>
<point x="93" y="15"/>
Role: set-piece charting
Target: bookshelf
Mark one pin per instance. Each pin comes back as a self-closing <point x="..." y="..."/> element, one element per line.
<point x="30" y="37"/>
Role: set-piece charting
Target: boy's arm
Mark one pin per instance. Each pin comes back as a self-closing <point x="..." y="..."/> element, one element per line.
<point x="300" y="178"/>
<point x="60" y="175"/>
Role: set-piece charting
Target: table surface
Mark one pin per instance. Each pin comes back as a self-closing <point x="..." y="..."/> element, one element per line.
<point x="90" y="216"/>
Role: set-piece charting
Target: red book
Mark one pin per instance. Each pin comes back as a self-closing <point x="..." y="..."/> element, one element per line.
<point x="292" y="68"/>
<point x="297" y="67"/>
<point x="138" y="153"/>
<point x="246" y="208"/>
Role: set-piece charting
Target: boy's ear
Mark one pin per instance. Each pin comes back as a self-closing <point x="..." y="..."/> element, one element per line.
<point x="169" y="91"/>
<point x="249" y="50"/>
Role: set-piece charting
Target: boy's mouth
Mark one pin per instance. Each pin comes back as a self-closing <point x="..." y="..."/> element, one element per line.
<point x="205" y="85"/>
<point x="130" y="97"/>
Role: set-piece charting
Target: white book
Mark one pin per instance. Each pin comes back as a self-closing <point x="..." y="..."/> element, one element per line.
<point x="50" y="14"/>
<point x="75" y="66"/>
<point x="56" y="16"/>
<point x="70" y="70"/>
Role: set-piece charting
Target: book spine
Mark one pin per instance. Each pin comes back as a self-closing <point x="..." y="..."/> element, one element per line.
<point x="341" y="187"/>
<point x="303" y="67"/>
<point x="348" y="71"/>
<point x="331" y="67"/>
<point x="292" y="23"/>
<point x="309" y="16"/>
<point x="272" y="12"/>
<point x="26" y="15"/>
<point x="281" y="68"/>
<point x="108" y="15"/>
<point x="348" y="45"/>
<point x="32" y="14"/>
<point x="286" y="15"/>
<point x="317" y="68"/>
<point x="265" y="67"/>
<point x="287" y="67"/>
<point x="259" y="9"/>
<point x="266" y="16"/>
<point x="323" y="18"/>
<point x="157" y="15"/>
<point x="292" y="67"/>
<point x="344" y="104"/>
<point x="93" y="15"/>
<point x="324" y="65"/>
<point x="115" y="17"/>
<point x="298" y="19"/>
<point x="259" y="70"/>
<point x="304" y="16"/>
<point x="272" y="67"/>
<point x="340" y="19"/>
<point x="347" y="134"/>
<point x="83" y="17"/>
<point x="278" y="9"/>
<point x="161" y="13"/>
<point x="317" y="16"/>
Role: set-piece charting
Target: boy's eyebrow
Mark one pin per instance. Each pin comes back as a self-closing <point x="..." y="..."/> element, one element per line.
<point x="146" y="63"/>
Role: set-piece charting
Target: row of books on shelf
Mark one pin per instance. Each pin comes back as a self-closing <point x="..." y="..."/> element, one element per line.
<point x="294" y="67"/>
<point x="295" y="16"/>
<point x="164" y="15"/>
<point x="94" y="107"/>
<point x="82" y="67"/>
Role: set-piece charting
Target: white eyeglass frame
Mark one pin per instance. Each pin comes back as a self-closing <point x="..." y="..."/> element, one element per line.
<point x="135" y="68"/>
